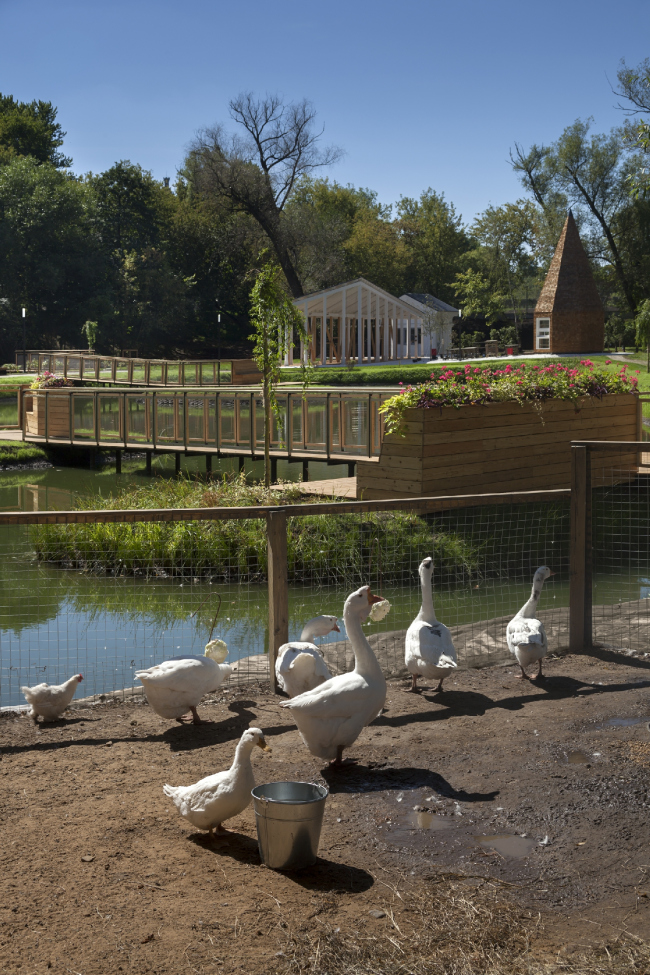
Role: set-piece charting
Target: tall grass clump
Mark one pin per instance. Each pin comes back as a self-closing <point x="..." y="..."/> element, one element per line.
<point x="321" y="548"/>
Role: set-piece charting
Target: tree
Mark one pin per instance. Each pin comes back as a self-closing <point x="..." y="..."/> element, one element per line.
<point x="478" y="297"/>
<point x="30" y="129"/>
<point x="435" y="240"/>
<point x="257" y="171"/>
<point x="276" y="320"/>
<point x="51" y="256"/>
<point x="642" y="324"/>
<point x="634" y="87"/>
<point x="134" y="210"/>
<point x="90" y="330"/>
<point x="506" y="234"/>
<point x="590" y="172"/>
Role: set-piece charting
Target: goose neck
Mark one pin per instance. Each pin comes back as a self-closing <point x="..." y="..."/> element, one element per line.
<point x="307" y="635"/>
<point x="364" y="659"/>
<point x="427" y="612"/>
<point x="242" y="753"/>
<point x="529" y="609"/>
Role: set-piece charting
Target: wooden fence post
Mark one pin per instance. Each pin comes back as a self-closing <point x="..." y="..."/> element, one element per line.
<point x="580" y="597"/>
<point x="278" y="575"/>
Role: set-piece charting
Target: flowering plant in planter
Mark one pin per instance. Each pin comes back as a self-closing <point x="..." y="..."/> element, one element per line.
<point x="476" y="385"/>
<point x="50" y="381"/>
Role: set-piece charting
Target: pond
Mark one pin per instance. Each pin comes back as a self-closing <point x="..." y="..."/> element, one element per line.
<point x="55" y="622"/>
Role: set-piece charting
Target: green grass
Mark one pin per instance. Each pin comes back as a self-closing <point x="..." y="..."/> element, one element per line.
<point x="16" y="452"/>
<point x="467" y="545"/>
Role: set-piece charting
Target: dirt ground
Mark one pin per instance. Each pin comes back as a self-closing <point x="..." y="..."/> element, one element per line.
<point x="101" y="875"/>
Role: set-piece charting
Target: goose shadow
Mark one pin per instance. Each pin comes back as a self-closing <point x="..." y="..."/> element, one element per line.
<point x="474" y="703"/>
<point x="186" y="737"/>
<point x="377" y="778"/>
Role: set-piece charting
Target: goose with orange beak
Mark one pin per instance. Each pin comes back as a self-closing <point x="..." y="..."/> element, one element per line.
<point x="525" y="634"/>
<point x="330" y="717"/>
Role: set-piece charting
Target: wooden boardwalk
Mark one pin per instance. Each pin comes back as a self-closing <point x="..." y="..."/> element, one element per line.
<point x="334" y="487"/>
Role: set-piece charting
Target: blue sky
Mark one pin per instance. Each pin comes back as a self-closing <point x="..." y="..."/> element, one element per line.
<point x="417" y="93"/>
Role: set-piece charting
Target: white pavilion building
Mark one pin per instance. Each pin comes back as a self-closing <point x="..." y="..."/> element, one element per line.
<point x="357" y="322"/>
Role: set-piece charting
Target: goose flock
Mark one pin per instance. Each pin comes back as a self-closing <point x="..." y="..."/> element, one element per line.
<point x="330" y="711"/>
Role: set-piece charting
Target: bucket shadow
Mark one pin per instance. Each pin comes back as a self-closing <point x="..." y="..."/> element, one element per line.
<point x="326" y="875"/>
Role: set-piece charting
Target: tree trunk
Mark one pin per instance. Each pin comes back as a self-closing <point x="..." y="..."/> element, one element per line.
<point x="267" y="418"/>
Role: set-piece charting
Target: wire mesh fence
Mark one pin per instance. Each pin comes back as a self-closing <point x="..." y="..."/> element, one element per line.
<point x="108" y="593"/>
<point x="620" y="560"/>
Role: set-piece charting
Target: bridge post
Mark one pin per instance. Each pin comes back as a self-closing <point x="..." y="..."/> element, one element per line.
<point x="351" y="468"/>
<point x="118" y="461"/>
<point x="241" y="460"/>
<point x="148" y="463"/>
<point x="305" y="470"/>
<point x="274" y="470"/>
<point x="278" y="579"/>
<point x="208" y="463"/>
<point x="177" y="459"/>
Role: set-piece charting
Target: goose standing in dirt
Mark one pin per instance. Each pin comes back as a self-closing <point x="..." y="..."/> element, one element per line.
<point x="177" y="685"/>
<point x="212" y="800"/>
<point x="300" y="666"/>
<point x="331" y="716"/>
<point x="525" y="634"/>
<point x="429" y="648"/>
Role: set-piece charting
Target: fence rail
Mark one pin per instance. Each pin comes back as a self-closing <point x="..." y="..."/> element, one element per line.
<point x="123" y="370"/>
<point x="335" y="424"/>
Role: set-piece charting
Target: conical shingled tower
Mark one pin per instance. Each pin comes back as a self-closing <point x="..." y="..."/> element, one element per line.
<point x="569" y="315"/>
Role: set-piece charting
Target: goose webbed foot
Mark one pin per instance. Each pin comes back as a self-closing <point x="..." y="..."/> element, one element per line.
<point x="195" y="716"/>
<point x="523" y="675"/>
<point x="539" y="675"/>
<point x="439" y="688"/>
<point x="414" y="689"/>
<point x="338" y="762"/>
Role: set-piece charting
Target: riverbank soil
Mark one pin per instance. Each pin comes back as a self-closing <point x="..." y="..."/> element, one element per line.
<point x="100" y="874"/>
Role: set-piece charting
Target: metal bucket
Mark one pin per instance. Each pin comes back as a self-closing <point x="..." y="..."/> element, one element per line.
<point x="289" y="816"/>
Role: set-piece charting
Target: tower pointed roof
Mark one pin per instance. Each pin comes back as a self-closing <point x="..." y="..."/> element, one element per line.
<point x="569" y="287"/>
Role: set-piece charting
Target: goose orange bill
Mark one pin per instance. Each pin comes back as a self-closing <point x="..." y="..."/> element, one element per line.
<point x="374" y="599"/>
<point x="261" y="742"/>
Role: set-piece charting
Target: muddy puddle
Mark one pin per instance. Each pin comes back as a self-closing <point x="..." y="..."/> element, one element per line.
<point x="623" y="723"/>
<point x="508" y="844"/>
<point x="577" y="758"/>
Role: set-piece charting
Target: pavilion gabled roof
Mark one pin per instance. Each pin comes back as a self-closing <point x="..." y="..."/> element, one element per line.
<point x="333" y="296"/>
<point x="569" y="286"/>
<point x="428" y="302"/>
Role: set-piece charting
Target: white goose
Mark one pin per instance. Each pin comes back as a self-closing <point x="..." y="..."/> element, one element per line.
<point x="429" y="650"/>
<point x="331" y="716"/>
<point x="212" y="800"/>
<point x="300" y="666"/>
<point x="176" y="686"/>
<point x="525" y="634"/>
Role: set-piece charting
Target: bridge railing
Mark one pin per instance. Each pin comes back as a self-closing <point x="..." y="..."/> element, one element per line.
<point x="329" y="423"/>
<point x="122" y="370"/>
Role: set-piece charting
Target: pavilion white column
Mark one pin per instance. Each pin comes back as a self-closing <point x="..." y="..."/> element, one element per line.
<point x="344" y="326"/>
<point x="377" y="356"/>
<point x="369" y="331"/>
<point x="359" y="326"/>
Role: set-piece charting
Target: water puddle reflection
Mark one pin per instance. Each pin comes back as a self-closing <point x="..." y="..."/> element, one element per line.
<point x="622" y="722"/>
<point x="577" y="758"/>
<point x="508" y="845"/>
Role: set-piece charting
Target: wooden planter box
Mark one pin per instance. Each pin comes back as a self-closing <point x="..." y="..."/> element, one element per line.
<point x="58" y="415"/>
<point x="497" y="447"/>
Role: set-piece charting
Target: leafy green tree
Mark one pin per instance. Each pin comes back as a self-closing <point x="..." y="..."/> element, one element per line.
<point x="506" y="235"/>
<point x="30" y="129"/>
<point x="642" y="325"/>
<point x="435" y="240"/>
<point x="134" y="210"/>
<point x="275" y="320"/>
<point x="90" y="330"/>
<point x="590" y="172"/>
<point x="51" y="256"/>
<point x="478" y="297"/>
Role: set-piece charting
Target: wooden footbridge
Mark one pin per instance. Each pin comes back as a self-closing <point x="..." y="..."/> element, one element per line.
<point x="330" y="425"/>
